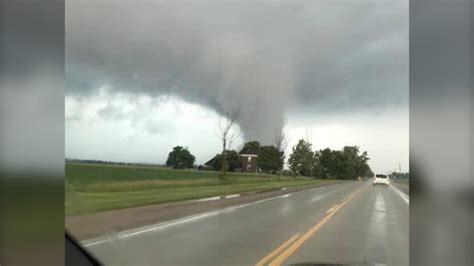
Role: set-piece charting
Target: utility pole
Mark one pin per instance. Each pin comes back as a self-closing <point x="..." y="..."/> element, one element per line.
<point x="400" y="167"/>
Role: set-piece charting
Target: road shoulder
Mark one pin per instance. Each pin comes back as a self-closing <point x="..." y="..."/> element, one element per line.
<point x="405" y="188"/>
<point x="109" y="222"/>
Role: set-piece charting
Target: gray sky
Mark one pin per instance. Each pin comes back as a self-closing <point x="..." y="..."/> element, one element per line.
<point x="143" y="77"/>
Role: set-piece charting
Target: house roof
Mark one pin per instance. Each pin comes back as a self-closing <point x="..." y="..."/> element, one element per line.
<point x="211" y="161"/>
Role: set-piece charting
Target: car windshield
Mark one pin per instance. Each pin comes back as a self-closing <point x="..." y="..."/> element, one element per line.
<point x="237" y="132"/>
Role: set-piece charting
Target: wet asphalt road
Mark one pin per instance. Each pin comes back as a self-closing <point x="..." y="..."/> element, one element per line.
<point x="348" y="222"/>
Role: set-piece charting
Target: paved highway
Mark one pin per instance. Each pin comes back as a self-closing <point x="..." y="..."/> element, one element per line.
<point x="348" y="222"/>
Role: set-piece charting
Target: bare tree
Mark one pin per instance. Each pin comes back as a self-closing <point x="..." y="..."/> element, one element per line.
<point x="228" y="133"/>
<point x="281" y="140"/>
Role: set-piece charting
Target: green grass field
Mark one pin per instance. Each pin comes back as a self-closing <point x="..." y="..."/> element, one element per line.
<point x="97" y="187"/>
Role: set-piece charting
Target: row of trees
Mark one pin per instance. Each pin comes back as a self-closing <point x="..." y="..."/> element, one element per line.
<point x="347" y="163"/>
<point x="270" y="159"/>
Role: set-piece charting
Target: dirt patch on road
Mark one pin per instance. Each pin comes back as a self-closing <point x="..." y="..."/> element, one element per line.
<point x="108" y="222"/>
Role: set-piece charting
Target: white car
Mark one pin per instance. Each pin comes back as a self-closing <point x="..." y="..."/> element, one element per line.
<point x="381" y="179"/>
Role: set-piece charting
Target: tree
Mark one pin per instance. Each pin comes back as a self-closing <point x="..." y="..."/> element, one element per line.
<point x="343" y="164"/>
<point x="325" y="162"/>
<point x="355" y="165"/>
<point x="349" y="163"/>
<point x="270" y="159"/>
<point x="363" y="168"/>
<point x="251" y="145"/>
<point x="180" y="158"/>
<point x="337" y="165"/>
<point x="317" y="170"/>
<point x="369" y="173"/>
<point x="232" y="161"/>
<point x="228" y="133"/>
<point x="228" y="130"/>
<point x="302" y="158"/>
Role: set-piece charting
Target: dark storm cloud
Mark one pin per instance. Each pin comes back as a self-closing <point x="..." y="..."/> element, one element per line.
<point x="262" y="57"/>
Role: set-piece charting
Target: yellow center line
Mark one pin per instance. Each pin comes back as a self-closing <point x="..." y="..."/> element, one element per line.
<point x="298" y="243"/>
<point x="277" y="250"/>
<point x="333" y="207"/>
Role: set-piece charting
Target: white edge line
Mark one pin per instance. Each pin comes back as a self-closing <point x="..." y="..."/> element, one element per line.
<point x="286" y="195"/>
<point x="232" y="196"/>
<point x="88" y="244"/>
<point x="209" y="199"/>
<point x="145" y="229"/>
<point x="247" y="204"/>
<point x="404" y="196"/>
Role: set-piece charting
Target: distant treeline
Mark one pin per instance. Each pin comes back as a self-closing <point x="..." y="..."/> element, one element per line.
<point x="401" y="175"/>
<point x="109" y="162"/>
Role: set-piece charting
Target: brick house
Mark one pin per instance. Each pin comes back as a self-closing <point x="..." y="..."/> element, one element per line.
<point x="248" y="159"/>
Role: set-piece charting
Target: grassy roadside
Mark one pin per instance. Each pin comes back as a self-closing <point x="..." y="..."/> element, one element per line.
<point x="94" y="187"/>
